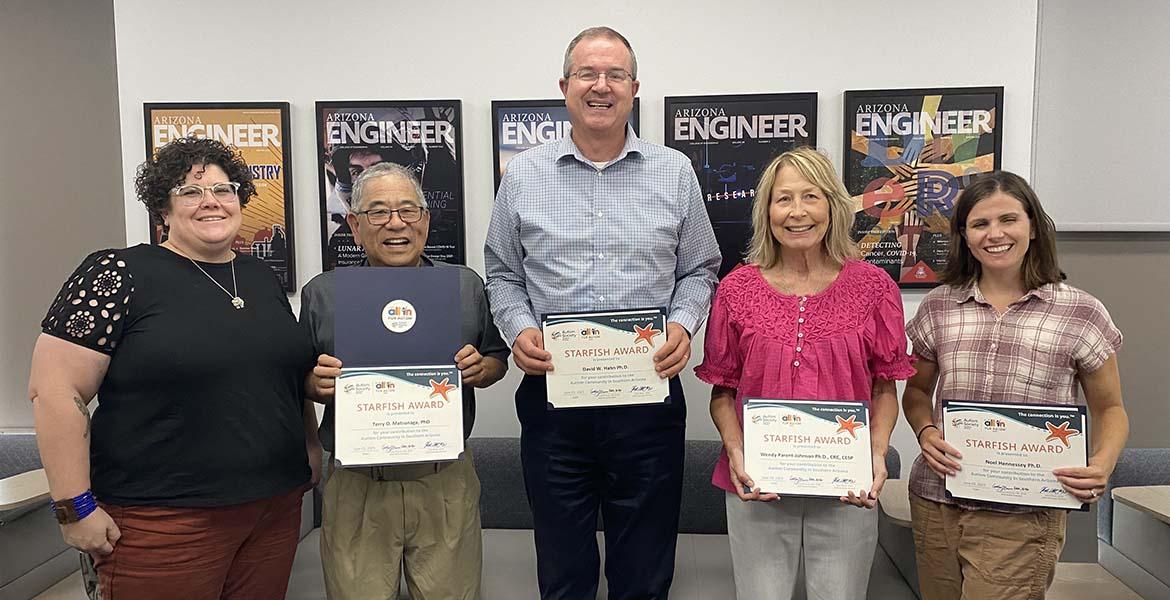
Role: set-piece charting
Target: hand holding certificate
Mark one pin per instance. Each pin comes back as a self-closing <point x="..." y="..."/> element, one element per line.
<point x="399" y="399"/>
<point x="1010" y="450"/>
<point x="395" y="415"/>
<point x="807" y="448"/>
<point x="605" y="359"/>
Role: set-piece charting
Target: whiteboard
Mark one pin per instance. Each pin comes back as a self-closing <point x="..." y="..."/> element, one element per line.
<point x="1101" y="135"/>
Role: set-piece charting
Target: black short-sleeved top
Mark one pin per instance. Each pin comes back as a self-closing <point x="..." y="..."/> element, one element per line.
<point x="202" y="403"/>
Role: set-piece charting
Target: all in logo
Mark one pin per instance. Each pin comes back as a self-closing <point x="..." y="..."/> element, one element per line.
<point x="995" y="425"/>
<point x="399" y="316"/>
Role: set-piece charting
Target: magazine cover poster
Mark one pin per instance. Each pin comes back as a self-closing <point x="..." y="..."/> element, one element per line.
<point x="518" y="125"/>
<point x="908" y="154"/>
<point x="730" y="139"/>
<point x="259" y="131"/>
<point x="425" y="136"/>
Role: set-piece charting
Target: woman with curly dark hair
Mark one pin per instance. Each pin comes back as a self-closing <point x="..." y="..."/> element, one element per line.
<point x="189" y="477"/>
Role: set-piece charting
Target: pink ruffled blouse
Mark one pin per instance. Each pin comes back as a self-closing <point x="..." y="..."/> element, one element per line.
<point x="827" y="346"/>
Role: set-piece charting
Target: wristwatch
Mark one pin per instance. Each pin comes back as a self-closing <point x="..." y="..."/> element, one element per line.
<point x="72" y="510"/>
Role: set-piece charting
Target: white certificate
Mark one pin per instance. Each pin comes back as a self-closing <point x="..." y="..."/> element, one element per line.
<point x="1010" y="450"/>
<point x="807" y="447"/>
<point x="605" y="359"/>
<point x="398" y="415"/>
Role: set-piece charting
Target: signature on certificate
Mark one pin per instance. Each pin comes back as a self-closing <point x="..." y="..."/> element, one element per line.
<point x="599" y="392"/>
<point x="396" y="447"/>
<point x="436" y="445"/>
<point x="641" y="388"/>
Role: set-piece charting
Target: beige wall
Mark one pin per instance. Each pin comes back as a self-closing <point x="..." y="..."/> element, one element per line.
<point x="1130" y="274"/>
<point x="60" y="167"/>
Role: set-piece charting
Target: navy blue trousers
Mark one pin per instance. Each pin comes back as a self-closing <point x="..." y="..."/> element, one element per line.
<point x="627" y="462"/>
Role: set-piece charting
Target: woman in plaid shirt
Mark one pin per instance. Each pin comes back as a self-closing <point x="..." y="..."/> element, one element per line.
<point x="1004" y="328"/>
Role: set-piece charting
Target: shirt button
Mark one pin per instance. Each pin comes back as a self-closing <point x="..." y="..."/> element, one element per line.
<point x="802" y="309"/>
<point x="600" y="256"/>
<point x="798" y="348"/>
<point x="803" y="298"/>
<point x="800" y="320"/>
<point x="601" y="299"/>
<point x="599" y="213"/>
<point x="800" y="334"/>
<point x="993" y="346"/>
<point x="796" y="363"/>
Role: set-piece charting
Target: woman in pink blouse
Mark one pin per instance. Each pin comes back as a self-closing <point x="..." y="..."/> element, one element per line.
<point x="1004" y="328"/>
<point x="805" y="320"/>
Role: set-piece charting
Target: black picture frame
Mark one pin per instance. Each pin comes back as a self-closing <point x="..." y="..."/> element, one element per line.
<point x="534" y="107"/>
<point x="441" y="175"/>
<point x="934" y="185"/>
<point x="728" y="184"/>
<point x="268" y="251"/>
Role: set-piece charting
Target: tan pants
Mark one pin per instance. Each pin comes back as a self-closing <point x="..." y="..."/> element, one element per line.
<point x="983" y="554"/>
<point x="428" y="525"/>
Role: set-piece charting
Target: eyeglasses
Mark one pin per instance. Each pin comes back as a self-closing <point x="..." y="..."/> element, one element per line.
<point x="192" y="194"/>
<point x="381" y="216"/>
<point x="611" y="76"/>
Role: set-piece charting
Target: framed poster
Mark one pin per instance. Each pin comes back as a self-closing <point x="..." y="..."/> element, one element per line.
<point x="425" y="136"/>
<point x="260" y="132"/>
<point x="908" y="154"/>
<point x="518" y="125"/>
<point x="730" y="139"/>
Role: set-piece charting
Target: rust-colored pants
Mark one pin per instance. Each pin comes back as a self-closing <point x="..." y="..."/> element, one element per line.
<point x="984" y="554"/>
<point x="241" y="551"/>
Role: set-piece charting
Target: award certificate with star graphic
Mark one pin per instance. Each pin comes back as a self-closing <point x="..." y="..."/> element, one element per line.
<point x="605" y="358"/>
<point x="1010" y="450"/>
<point x="398" y="415"/>
<point x="807" y="447"/>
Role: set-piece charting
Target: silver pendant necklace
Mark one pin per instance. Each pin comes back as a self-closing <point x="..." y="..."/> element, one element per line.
<point x="237" y="301"/>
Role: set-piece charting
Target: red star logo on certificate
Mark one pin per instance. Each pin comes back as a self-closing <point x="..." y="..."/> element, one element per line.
<point x="646" y="333"/>
<point x="440" y="388"/>
<point x="1061" y="433"/>
<point x="849" y="425"/>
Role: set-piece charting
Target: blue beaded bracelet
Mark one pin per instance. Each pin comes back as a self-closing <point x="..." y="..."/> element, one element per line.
<point x="83" y="505"/>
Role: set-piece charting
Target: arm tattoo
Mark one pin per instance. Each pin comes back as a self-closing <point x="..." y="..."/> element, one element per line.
<point x="85" y="411"/>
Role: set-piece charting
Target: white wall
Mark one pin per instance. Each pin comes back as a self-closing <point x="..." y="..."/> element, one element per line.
<point x="300" y="51"/>
<point x="1100" y="101"/>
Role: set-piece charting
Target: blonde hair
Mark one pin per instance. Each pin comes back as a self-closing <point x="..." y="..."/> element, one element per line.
<point x="816" y="169"/>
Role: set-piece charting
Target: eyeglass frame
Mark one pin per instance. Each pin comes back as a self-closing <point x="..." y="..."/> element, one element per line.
<point x="390" y="214"/>
<point x="628" y="75"/>
<point x="204" y="189"/>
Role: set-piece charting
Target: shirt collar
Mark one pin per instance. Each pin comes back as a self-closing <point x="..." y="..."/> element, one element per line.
<point x="972" y="292"/>
<point x="424" y="261"/>
<point x="633" y="145"/>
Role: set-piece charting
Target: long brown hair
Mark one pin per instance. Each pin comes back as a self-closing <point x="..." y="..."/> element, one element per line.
<point x="1040" y="266"/>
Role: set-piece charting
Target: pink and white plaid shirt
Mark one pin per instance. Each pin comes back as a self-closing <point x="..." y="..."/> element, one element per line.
<point x="1031" y="355"/>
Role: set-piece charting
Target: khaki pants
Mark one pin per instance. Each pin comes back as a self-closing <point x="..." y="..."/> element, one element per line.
<point x="429" y="525"/>
<point x="983" y="554"/>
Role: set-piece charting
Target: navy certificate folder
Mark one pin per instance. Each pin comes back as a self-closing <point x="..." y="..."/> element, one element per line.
<point x="396" y="316"/>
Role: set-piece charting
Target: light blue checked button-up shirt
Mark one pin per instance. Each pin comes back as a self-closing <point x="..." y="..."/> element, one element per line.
<point x="566" y="236"/>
